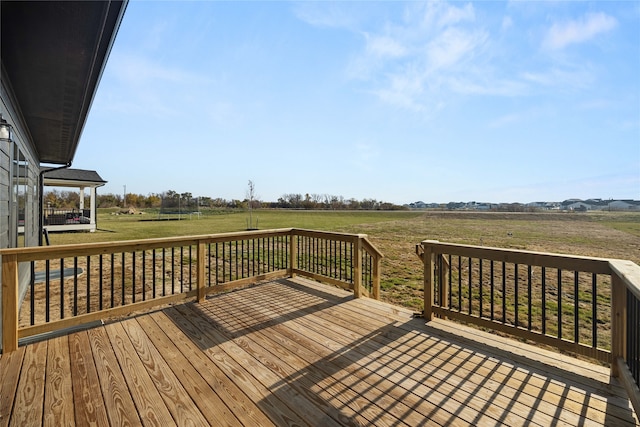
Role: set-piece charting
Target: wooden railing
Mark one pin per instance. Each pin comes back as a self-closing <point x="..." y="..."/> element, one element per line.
<point x="71" y="285"/>
<point x="587" y="306"/>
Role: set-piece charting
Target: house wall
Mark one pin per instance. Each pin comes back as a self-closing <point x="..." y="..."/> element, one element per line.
<point x="19" y="190"/>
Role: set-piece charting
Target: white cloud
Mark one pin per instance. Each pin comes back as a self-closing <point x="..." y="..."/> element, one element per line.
<point x="384" y="46"/>
<point x="454" y="15"/>
<point x="439" y="14"/>
<point x="407" y="60"/>
<point x="484" y="86"/>
<point x="576" y="78"/>
<point x="452" y="46"/>
<point x="331" y="15"/>
<point x="562" y="35"/>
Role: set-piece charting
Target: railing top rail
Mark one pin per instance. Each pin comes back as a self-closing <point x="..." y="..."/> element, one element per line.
<point x="345" y="237"/>
<point x="34" y="253"/>
<point x="629" y="272"/>
<point x="546" y="259"/>
<point x="371" y="247"/>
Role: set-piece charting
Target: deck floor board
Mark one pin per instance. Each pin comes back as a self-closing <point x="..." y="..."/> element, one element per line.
<point x="296" y="352"/>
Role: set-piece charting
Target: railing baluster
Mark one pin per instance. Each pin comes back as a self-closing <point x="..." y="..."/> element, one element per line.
<point x="32" y="299"/>
<point x="208" y="264"/>
<point x="113" y="291"/>
<point x="529" y="296"/>
<point x="144" y="275"/>
<point x="153" y="273"/>
<point x="133" y="276"/>
<point x="492" y="297"/>
<point x="516" y="296"/>
<point x="594" y="310"/>
<point x="218" y="263"/>
<point x="164" y="271"/>
<point x="190" y="267"/>
<point x="470" y="295"/>
<point x="576" y="308"/>
<point x="544" y="299"/>
<point x="459" y="283"/>
<point x="75" y="291"/>
<point x="236" y="258"/>
<point x="450" y="281"/>
<point x="504" y="292"/>
<point x="559" y="315"/>
<point x="88" y="284"/>
<point x="123" y="278"/>
<point x="224" y="277"/>
<point x="480" y="279"/>
<point x="100" y="282"/>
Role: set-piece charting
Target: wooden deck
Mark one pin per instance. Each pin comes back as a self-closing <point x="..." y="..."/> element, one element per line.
<point x="294" y="352"/>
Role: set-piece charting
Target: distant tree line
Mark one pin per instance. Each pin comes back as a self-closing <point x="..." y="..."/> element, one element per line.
<point x="327" y="201"/>
<point x="167" y="199"/>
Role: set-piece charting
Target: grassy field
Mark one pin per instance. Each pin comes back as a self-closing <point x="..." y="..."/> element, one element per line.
<point x="600" y="234"/>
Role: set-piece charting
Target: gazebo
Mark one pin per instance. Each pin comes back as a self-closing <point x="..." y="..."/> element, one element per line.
<point x="74" y="219"/>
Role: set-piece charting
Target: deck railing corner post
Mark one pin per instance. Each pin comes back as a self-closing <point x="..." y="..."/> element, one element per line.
<point x="429" y="264"/>
<point x="376" y="277"/>
<point x="293" y="253"/>
<point x="357" y="268"/>
<point x="9" y="303"/>
<point x="618" y="322"/>
<point x="201" y="259"/>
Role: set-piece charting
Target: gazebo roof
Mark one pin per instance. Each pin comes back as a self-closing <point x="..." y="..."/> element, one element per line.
<point x="73" y="178"/>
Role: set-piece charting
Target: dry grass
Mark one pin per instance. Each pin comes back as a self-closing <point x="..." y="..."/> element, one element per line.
<point x="600" y="234"/>
<point x="603" y="234"/>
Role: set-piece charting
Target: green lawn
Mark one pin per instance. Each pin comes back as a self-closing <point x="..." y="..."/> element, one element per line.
<point x="113" y="227"/>
<point x="600" y="234"/>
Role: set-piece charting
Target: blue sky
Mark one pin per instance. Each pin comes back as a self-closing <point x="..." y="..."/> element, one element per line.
<point x="438" y="101"/>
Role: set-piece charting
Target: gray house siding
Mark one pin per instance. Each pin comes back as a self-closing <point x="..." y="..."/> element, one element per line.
<point x="19" y="190"/>
<point x="4" y="196"/>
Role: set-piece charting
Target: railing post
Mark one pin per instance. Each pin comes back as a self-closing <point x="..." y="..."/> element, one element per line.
<point x="376" y="276"/>
<point x="618" y="322"/>
<point x="200" y="285"/>
<point x="293" y="253"/>
<point x="428" y="279"/>
<point x="9" y="303"/>
<point x="443" y="281"/>
<point x="357" y="267"/>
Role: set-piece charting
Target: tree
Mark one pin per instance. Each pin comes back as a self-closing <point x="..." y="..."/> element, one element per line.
<point x="251" y="195"/>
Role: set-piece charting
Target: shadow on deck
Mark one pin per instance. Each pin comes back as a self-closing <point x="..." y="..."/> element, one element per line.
<point x="294" y="352"/>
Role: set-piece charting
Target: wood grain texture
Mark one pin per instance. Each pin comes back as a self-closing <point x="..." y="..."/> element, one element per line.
<point x="88" y="401"/>
<point x="294" y="352"/>
<point x="30" y="392"/>
<point x="241" y="406"/>
<point x="58" y="408"/>
<point x="10" y="367"/>
<point x="117" y="399"/>
<point x="149" y="403"/>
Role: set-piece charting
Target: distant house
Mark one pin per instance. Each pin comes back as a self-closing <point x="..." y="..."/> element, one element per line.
<point x="418" y="205"/>
<point x="623" y="205"/>
<point x="577" y="207"/>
